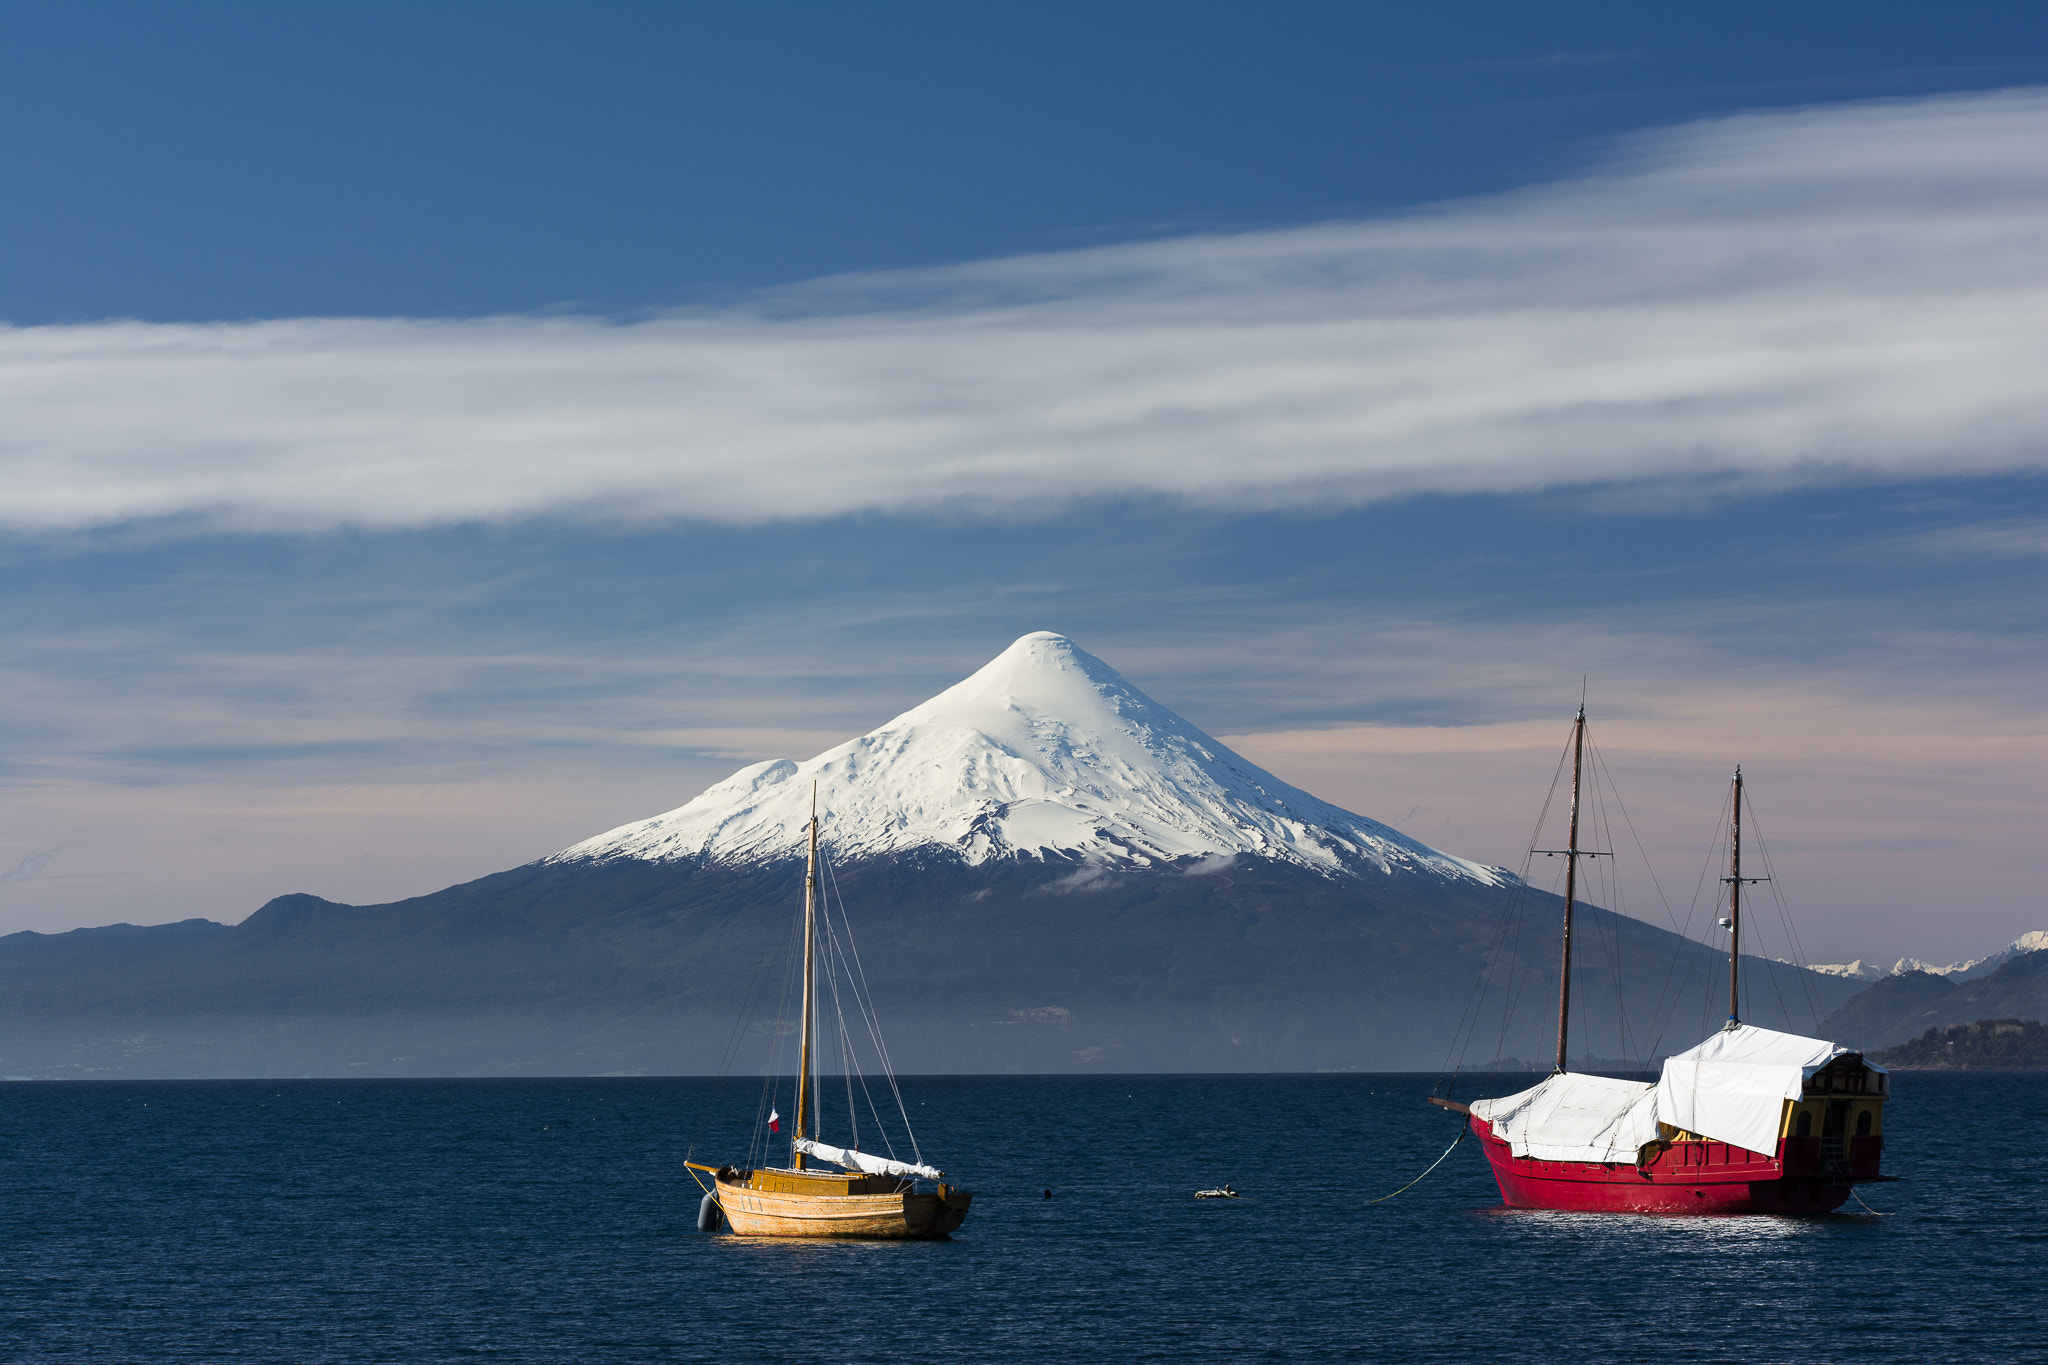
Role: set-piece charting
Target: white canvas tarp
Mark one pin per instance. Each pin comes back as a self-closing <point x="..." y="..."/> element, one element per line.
<point x="1733" y="1087"/>
<point x="863" y="1161"/>
<point x="1575" y="1118"/>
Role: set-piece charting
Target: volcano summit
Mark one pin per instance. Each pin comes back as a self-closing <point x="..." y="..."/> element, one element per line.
<point x="1044" y="754"/>
<point x="1048" y="871"/>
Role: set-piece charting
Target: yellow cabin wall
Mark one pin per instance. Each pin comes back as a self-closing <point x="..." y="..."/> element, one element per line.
<point x="1788" y="1121"/>
<point x="1817" y="1106"/>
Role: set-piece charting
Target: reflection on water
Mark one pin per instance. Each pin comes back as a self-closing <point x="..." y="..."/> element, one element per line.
<point x="832" y="1249"/>
<point x="1739" y="1229"/>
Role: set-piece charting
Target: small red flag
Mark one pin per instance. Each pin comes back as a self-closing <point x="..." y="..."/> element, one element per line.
<point x="774" y="1120"/>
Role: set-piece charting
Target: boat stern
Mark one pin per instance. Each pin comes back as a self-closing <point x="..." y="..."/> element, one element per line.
<point x="951" y="1211"/>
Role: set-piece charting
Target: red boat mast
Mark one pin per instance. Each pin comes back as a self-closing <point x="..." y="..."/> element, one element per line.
<point x="1571" y="871"/>
<point x="1735" y="899"/>
<point x="1736" y="881"/>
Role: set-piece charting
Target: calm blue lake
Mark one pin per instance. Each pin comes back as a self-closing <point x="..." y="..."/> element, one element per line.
<point x="552" y="1221"/>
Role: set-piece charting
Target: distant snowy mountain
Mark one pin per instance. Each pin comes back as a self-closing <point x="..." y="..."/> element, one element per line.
<point x="1970" y="970"/>
<point x="1914" y="964"/>
<point x="1045" y="754"/>
<point x="1978" y="966"/>
<point x="1859" y="970"/>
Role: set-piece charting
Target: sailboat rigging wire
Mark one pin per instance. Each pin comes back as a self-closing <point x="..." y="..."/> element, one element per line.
<point x="1662" y="1022"/>
<point x="830" y="943"/>
<point x="1609" y="875"/>
<point x="865" y="998"/>
<point x="1519" y="982"/>
<point x="748" y="1002"/>
<point x="1469" y="1019"/>
<point x="1784" y="1011"/>
<point x="866" y="1010"/>
<point x="847" y="1063"/>
<point x="1683" y="955"/>
<point x="853" y="1070"/>
<point x="1746" y="981"/>
<point x="1512" y="991"/>
<point x="1612" y="929"/>
<point x="1798" y="949"/>
<point x="1462" y="1130"/>
<point x="849" y="1066"/>
<point x="867" y="1094"/>
<point x="1510" y="919"/>
<point x="757" y="1149"/>
<point x="1603" y="883"/>
<point x="834" y="938"/>
<point x="849" y="1052"/>
<point x="1614" y="789"/>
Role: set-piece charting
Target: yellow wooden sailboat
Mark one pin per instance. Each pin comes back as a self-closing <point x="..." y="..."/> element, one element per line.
<point x="869" y="1196"/>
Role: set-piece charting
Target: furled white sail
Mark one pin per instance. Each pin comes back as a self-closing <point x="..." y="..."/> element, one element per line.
<point x="863" y="1161"/>
<point x="1574" y="1117"/>
<point x="1733" y="1087"/>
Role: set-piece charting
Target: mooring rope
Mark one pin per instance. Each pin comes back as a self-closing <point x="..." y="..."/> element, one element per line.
<point x="1866" y="1208"/>
<point x="1462" y="1130"/>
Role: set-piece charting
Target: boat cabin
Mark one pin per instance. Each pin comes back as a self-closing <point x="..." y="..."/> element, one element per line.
<point x="1846" y="1075"/>
<point x="1839" y="1103"/>
<point x="784" y="1181"/>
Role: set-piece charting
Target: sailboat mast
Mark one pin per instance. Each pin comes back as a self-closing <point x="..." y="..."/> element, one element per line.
<point x="1735" y="898"/>
<point x="803" y="1064"/>
<point x="1571" y="886"/>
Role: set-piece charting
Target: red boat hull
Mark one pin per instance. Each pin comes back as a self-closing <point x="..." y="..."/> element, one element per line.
<point x="1686" y="1178"/>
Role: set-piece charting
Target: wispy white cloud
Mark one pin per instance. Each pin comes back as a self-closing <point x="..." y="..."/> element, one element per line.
<point x="2012" y="537"/>
<point x="1848" y="293"/>
<point x="30" y="865"/>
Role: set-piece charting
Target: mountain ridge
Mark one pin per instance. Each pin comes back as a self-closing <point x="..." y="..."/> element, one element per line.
<point x="629" y="965"/>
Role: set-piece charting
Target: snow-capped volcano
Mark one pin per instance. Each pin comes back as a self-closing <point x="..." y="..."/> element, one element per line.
<point x="1045" y="753"/>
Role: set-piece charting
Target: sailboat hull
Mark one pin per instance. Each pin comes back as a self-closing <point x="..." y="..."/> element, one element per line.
<point x="1683" y="1178"/>
<point x="906" y="1215"/>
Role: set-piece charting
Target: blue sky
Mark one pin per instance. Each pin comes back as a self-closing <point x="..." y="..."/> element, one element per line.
<point x="440" y="433"/>
<point x="200" y="161"/>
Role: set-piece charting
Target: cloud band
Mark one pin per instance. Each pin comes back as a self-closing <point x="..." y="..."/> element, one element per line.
<point x="1848" y="293"/>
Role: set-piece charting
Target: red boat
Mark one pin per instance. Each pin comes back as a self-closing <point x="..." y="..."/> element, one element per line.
<point x="1749" y="1121"/>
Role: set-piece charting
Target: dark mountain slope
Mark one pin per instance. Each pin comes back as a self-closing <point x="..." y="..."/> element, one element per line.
<point x="1905" y="1006"/>
<point x="1873" y="1017"/>
<point x="630" y="965"/>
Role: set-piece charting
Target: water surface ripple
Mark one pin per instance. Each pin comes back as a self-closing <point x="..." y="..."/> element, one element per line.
<point x="551" y="1221"/>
